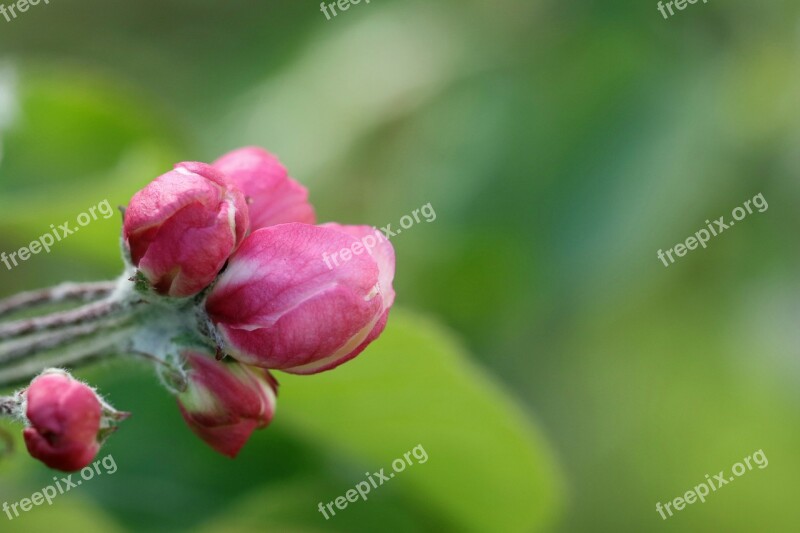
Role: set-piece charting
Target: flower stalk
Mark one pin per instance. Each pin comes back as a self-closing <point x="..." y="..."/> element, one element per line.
<point x="65" y="292"/>
<point x="83" y="315"/>
<point x="66" y="338"/>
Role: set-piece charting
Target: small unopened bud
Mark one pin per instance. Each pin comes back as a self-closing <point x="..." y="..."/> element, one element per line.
<point x="225" y="402"/>
<point x="181" y="228"/>
<point x="68" y="421"/>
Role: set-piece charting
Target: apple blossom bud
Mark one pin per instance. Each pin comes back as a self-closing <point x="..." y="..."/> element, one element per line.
<point x="182" y="227"/>
<point x="65" y="421"/>
<point x="278" y="305"/>
<point x="273" y="197"/>
<point x="225" y="402"/>
<point x="374" y="242"/>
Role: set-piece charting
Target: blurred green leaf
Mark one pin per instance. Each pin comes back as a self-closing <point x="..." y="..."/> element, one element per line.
<point x="73" y="516"/>
<point x="292" y="507"/>
<point x="488" y="467"/>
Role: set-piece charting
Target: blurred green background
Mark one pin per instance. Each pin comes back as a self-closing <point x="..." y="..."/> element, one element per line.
<point x="558" y="375"/>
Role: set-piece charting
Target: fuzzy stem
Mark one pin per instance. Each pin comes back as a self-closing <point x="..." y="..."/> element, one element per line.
<point x="8" y="405"/>
<point x="87" y="313"/>
<point x="29" y="346"/>
<point x="59" y="293"/>
<point x="104" y="341"/>
<point x="70" y="338"/>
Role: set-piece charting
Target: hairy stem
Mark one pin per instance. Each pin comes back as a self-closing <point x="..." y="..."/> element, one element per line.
<point x="85" y="314"/>
<point x="8" y="405"/>
<point x="60" y="293"/>
<point x="106" y="340"/>
<point x="15" y="349"/>
<point x="68" y="338"/>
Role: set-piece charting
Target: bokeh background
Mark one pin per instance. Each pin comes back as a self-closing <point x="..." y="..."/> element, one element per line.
<point x="558" y="375"/>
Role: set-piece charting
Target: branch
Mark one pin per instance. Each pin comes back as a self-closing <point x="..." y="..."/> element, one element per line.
<point x="80" y="352"/>
<point x="60" y="293"/>
<point x="29" y="346"/>
<point x="87" y="313"/>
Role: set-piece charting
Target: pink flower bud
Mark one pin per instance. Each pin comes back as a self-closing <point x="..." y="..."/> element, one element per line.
<point x="273" y="197"/>
<point x="65" y="417"/>
<point x="225" y="403"/>
<point x="373" y="241"/>
<point x="182" y="227"/>
<point x="280" y="305"/>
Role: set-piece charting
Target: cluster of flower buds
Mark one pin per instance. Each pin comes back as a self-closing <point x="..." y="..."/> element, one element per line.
<point x="229" y="283"/>
<point x="244" y="230"/>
